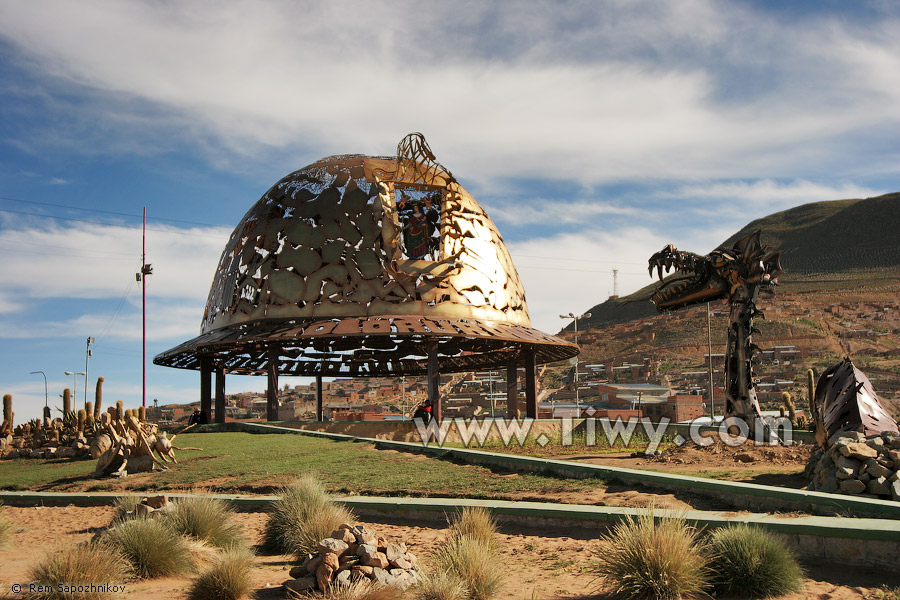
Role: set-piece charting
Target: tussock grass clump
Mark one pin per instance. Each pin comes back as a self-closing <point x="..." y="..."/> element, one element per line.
<point x="364" y="590"/>
<point x="752" y="563"/>
<point x="210" y="520"/>
<point x="151" y="547"/>
<point x="84" y="564"/>
<point x="304" y="515"/>
<point x="475" y="563"/>
<point x="5" y="531"/>
<point x="646" y="559"/>
<point x="227" y="578"/>
<point x="440" y="585"/>
<point x="124" y="505"/>
<point x="476" y="523"/>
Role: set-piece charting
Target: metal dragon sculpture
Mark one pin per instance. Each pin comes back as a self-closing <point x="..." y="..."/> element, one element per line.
<point x="738" y="274"/>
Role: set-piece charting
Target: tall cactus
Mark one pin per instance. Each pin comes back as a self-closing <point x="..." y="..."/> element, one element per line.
<point x="142" y="413"/>
<point x="788" y="404"/>
<point x="82" y="419"/>
<point x="46" y="414"/>
<point x="8" y="414"/>
<point x="811" y="392"/>
<point x="120" y="410"/>
<point x="67" y="401"/>
<point x="98" y="397"/>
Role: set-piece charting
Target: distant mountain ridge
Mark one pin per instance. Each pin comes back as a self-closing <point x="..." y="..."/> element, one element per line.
<point x="847" y="241"/>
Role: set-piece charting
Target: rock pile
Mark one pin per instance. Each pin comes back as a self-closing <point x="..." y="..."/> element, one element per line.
<point x="855" y="464"/>
<point x="353" y="552"/>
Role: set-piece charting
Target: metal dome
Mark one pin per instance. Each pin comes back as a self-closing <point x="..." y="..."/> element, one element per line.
<point x="354" y="265"/>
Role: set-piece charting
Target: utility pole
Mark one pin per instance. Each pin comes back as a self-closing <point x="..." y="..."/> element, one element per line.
<point x="142" y="279"/>
<point x="87" y="356"/>
<point x="712" y="412"/>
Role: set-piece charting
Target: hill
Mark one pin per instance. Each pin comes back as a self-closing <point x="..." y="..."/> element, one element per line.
<point x="839" y="297"/>
<point x="829" y="245"/>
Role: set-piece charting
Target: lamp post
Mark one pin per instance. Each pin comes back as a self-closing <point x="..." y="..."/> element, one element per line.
<point x="575" y="320"/>
<point x="46" y="398"/>
<point x="75" y="384"/>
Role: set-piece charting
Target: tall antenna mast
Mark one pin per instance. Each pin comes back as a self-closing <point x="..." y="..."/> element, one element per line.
<point x="142" y="278"/>
<point x="615" y="283"/>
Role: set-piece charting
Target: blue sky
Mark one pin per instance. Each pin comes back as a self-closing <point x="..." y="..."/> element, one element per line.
<point x="592" y="132"/>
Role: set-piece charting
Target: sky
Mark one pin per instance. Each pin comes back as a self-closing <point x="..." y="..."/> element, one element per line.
<point x="593" y="133"/>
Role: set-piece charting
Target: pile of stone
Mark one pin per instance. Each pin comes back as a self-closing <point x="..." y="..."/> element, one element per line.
<point x="151" y="506"/>
<point x="49" y="441"/>
<point x="858" y="465"/>
<point x="353" y="552"/>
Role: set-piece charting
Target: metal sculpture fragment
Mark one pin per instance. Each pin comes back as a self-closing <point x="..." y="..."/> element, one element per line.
<point x="737" y="274"/>
<point x="845" y="401"/>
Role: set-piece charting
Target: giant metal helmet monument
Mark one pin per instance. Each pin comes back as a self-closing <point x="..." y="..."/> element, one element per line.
<point x="366" y="266"/>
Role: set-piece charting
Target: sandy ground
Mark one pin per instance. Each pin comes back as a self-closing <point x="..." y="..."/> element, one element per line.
<point x="541" y="563"/>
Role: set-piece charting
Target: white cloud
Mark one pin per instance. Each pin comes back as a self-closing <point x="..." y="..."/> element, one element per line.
<point x="765" y="196"/>
<point x="701" y="90"/>
<point x="543" y="211"/>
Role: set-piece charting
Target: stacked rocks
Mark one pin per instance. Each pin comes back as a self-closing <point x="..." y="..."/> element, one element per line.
<point x="354" y="552"/>
<point x="855" y="464"/>
<point x="51" y="445"/>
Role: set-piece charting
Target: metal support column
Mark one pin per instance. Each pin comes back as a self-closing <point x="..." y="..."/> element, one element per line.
<point x="530" y="383"/>
<point x="220" y="394"/>
<point x="206" y="369"/>
<point x="272" y="391"/>
<point x="319" y="415"/>
<point x="434" y="379"/>
<point x="512" y="389"/>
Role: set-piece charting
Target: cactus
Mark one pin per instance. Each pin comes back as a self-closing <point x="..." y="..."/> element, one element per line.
<point x="89" y="409"/>
<point x="142" y="413"/>
<point x="67" y="401"/>
<point x="788" y="405"/>
<point x="120" y="409"/>
<point x="7" y="410"/>
<point x="47" y="414"/>
<point x="82" y="418"/>
<point x="98" y="397"/>
<point x="811" y="391"/>
<point x="128" y="414"/>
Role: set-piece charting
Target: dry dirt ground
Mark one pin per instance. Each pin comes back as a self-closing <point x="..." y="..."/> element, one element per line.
<point x="541" y="563"/>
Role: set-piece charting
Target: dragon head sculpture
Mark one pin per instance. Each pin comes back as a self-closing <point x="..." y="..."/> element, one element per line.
<point x="720" y="274"/>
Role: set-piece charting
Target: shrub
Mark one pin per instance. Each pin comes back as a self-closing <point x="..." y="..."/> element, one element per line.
<point x="476" y="523"/>
<point x="364" y="590"/>
<point x="93" y="563"/>
<point x="474" y="562"/>
<point x="752" y="563"/>
<point x="227" y="578"/>
<point x="207" y="519"/>
<point x="646" y="559"/>
<point x="304" y="515"/>
<point x="440" y="585"/>
<point x="125" y="505"/>
<point x="5" y="531"/>
<point x="151" y="547"/>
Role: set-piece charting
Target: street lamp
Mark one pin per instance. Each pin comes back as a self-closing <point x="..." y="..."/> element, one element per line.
<point x="575" y="319"/>
<point x="75" y="384"/>
<point x="46" y="398"/>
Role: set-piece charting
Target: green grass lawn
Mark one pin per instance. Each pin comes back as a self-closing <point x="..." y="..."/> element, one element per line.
<point x="260" y="463"/>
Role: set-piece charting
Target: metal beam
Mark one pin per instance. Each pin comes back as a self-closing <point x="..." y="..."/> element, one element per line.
<point x="272" y="391"/>
<point x="220" y="394"/>
<point x="206" y="369"/>
<point x="434" y="379"/>
<point x="512" y="389"/>
<point x="530" y="382"/>
<point x="319" y="415"/>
